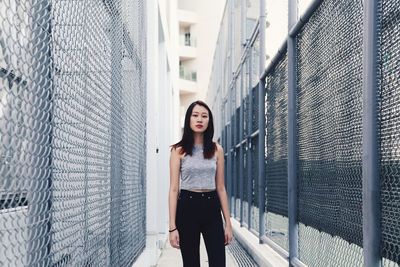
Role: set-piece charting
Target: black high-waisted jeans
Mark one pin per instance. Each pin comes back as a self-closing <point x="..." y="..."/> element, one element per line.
<point x="200" y="212"/>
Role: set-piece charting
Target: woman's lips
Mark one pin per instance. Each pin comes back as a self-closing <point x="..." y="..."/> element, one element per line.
<point x="199" y="126"/>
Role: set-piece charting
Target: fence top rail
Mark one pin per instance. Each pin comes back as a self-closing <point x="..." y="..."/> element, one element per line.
<point x="304" y="18"/>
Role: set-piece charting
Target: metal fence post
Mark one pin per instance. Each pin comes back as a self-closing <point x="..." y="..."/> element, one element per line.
<point x="231" y="108"/>
<point x="39" y="194"/>
<point x="261" y="125"/>
<point x="241" y="150"/>
<point x="229" y="156"/>
<point x="292" y="133"/>
<point x="235" y="138"/>
<point x="370" y="168"/>
<point x="249" y="142"/>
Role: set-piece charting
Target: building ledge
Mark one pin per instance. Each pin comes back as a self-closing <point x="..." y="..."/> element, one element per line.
<point x="262" y="254"/>
<point x="186" y="18"/>
<point x="187" y="52"/>
<point x="187" y="87"/>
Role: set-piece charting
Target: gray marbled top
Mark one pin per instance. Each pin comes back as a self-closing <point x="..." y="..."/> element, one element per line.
<point x="198" y="172"/>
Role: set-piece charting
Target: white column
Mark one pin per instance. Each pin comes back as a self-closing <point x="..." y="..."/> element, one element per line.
<point x="151" y="252"/>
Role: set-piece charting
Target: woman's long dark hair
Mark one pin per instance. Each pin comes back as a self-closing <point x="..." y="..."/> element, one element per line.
<point x="187" y="141"/>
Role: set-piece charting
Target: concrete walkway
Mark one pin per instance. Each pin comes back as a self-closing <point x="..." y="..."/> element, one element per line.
<point x="171" y="257"/>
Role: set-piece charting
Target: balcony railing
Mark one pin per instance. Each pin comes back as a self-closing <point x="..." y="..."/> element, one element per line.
<point x="187" y="40"/>
<point x="187" y="75"/>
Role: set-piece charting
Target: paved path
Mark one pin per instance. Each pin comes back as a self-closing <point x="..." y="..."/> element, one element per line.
<point x="171" y="257"/>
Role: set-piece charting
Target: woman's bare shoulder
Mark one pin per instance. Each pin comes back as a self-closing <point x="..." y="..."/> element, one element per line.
<point x="177" y="152"/>
<point x="219" y="147"/>
<point x="219" y="151"/>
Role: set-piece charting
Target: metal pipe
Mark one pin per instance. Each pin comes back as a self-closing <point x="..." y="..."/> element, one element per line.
<point x="249" y="129"/>
<point x="241" y="122"/>
<point x="234" y="161"/>
<point x="241" y="150"/>
<point x="229" y="147"/>
<point x="229" y="138"/>
<point x="39" y="194"/>
<point x="370" y="167"/>
<point x="255" y="133"/>
<point x="247" y="50"/>
<point x="296" y="26"/>
<point x="246" y="53"/>
<point x="243" y="13"/>
<point x="241" y="143"/>
<point x="292" y="133"/>
<point x="261" y="125"/>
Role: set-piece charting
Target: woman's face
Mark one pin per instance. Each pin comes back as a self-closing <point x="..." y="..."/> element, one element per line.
<point x="199" y="119"/>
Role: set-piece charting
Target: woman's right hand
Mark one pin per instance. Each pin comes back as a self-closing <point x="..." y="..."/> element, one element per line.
<point x="174" y="239"/>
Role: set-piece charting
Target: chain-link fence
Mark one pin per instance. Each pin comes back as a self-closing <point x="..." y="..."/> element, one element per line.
<point x="72" y="127"/>
<point x="276" y="154"/>
<point x="329" y="136"/>
<point x="329" y="121"/>
<point x="389" y="81"/>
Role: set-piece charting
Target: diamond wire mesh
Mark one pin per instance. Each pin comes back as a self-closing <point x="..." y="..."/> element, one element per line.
<point x="245" y="186"/>
<point x="322" y="249"/>
<point x="237" y="126"/>
<point x="276" y="131"/>
<point x="25" y="130"/>
<point x="276" y="154"/>
<point x="245" y="107"/>
<point x="254" y="80"/>
<point x="73" y="139"/>
<point x="254" y="111"/>
<point x="330" y="118"/>
<point x="254" y="218"/>
<point x="237" y="182"/>
<point x="232" y="173"/>
<point x="389" y="130"/>
<point x="329" y="129"/>
<point x="225" y="146"/>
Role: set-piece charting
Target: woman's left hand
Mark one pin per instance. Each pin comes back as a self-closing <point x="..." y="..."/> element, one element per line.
<point x="228" y="235"/>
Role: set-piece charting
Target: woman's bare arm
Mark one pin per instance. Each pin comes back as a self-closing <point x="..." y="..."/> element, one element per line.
<point x="223" y="198"/>
<point x="174" y="167"/>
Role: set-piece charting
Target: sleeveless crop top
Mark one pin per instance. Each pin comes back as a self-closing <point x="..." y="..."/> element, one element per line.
<point x="198" y="172"/>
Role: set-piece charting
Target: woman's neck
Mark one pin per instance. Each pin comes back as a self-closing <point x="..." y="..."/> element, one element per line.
<point x="198" y="139"/>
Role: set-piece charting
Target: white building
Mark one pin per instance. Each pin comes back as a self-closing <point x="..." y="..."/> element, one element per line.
<point x="181" y="37"/>
<point x="198" y="23"/>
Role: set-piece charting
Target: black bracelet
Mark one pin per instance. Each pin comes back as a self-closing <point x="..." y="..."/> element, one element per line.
<point x="172" y="230"/>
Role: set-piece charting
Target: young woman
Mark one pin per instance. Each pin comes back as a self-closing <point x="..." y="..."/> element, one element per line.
<point x="197" y="192"/>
